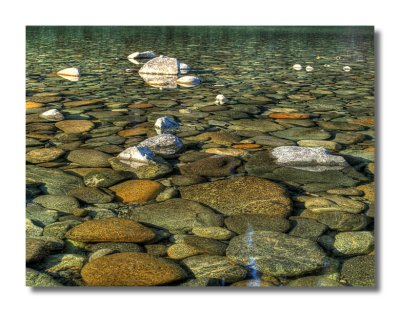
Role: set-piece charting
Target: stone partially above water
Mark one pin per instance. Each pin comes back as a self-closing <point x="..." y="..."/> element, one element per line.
<point x="276" y="254"/>
<point x="165" y="145"/>
<point x="188" y="81"/>
<point x="140" y="154"/>
<point x="52" y="115"/>
<point x="140" y="55"/>
<point x="166" y="125"/>
<point x="161" y="65"/>
<point x="151" y="170"/>
<point x="308" y="158"/>
<point x="241" y="195"/>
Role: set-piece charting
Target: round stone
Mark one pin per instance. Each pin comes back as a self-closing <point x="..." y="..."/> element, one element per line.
<point x="131" y="269"/>
<point x="42" y="155"/>
<point x="137" y="191"/>
<point x="110" y="230"/>
<point x="89" y="158"/>
<point x="75" y="126"/>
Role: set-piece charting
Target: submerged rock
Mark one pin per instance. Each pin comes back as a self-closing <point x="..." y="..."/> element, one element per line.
<point x="359" y="271"/>
<point x="241" y="195"/>
<point x="175" y="215"/>
<point x="213" y="166"/>
<point x="137" y="191"/>
<point x="218" y="267"/>
<point x="308" y="158"/>
<point x="131" y="269"/>
<point x="142" y="170"/>
<point x="276" y="254"/>
<point x="110" y="230"/>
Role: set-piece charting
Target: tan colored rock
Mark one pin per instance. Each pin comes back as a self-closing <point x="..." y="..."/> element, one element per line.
<point x="41" y="155"/>
<point x="116" y="230"/>
<point x="82" y="103"/>
<point x="137" y="191"/>
<point x="131" y="269"/>
<point x="75" y="126"/>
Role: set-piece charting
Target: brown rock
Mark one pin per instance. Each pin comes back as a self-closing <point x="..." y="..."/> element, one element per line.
<point x="36" y="250"/>
<point x="140" y="105"/>
<point x="41" y="155"/>
<point x="289" y="116"/>
<point x="82" y="103"/>
<point x="131" y="269"/>
<point x="223" y="138"/>
<point x="30" y="104"/>
<point x="241" y="195"/>
<point x="75" y="126"/>
<point x="137" y="191"/>
<point x="116" y="230"/>
<point x="133" y="132"/>
<point x="247" y="146"/>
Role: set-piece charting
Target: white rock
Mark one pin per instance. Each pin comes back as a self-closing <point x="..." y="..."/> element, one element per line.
<point x="165" y="145"/>
<point x="160" y="81"/>
<point x="140" y="154"/>
<point x="188" y="81"/>
<point x="165" y="125"/>
<point x="297" y="67"/>
<point x="346" y="68"/>
<point x="129" y="70"/>
<point x="52" y="115"/>
<point x="138" y="55"/>
<point x="309" y="68"/>
<point x="73" y="71"/>
<point x="220" y="99"/>
<point x="184" y="68"/>
<point x="308" y="158"/>
<point x="162" y="65"/>
<point x="327" y="65"/>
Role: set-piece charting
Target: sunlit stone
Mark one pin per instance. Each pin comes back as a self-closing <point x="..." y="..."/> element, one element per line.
<point x="140" y="154"/>
<point x="297" y="67"/>
<point x="221" y="99"/>
<point x="166" y="125"/>
<point x="309" y="68"/>
<point x="346" y="68"/>
<point x="52" y="115"/>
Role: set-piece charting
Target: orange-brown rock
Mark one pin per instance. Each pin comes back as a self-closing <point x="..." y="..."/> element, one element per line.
<point x="364" y="122"/>
<point x="140" y="105"/>
<point x="289" y="116"/>
<point x="301" y="97"/>
<point x="137" y="191"/>
<point x="39" y="136"/>
<point x="132" y="132"/>
<point x="82" y="103"/>
<point x="246" y="146"/>
<point x="74" y="126"/>
<point x="30" y="104"/>
<point x="115" y="230"/>
<point x="131" y="269"/>
<point x="42" y="155"/>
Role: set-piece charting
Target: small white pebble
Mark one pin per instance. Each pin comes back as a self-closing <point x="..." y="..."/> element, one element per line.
<point x="346" y="68"/>
<point x="309" y="68"/>
<point x="297" y="67"/>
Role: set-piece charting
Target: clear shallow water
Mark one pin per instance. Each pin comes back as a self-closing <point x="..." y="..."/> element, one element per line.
<point x="252" y="67"/>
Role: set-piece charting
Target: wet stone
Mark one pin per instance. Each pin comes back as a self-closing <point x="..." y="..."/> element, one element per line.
<point x="353" y="243"/>
<point x="241" y="195"/>
<point x="61" y="203"/>
<point x="38" y="279"/>
<point x="276" y="254"/>
<point x="359" y="271"/>
<point x="185" y="180"/>
<point x="218" y="267"/>
<point x="298" y="133"/>
<point x="307" y="228"/>
<point x="343" y="221"/>
<point x="89" y="158"/>
<point x="213" y="166"/>
<point x="91" y="195"/>
<point x="110" y="230"/>
<point x="331" y="203"/>
<point x="106" y="178"/>
<point x="44" y="155"/>
<point x="131" y="269"/>
<point x="243" y="223"/>
<point x="175" y="215"/>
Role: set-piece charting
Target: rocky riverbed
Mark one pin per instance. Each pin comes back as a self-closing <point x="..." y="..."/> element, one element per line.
<point x="270" y="185"/>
